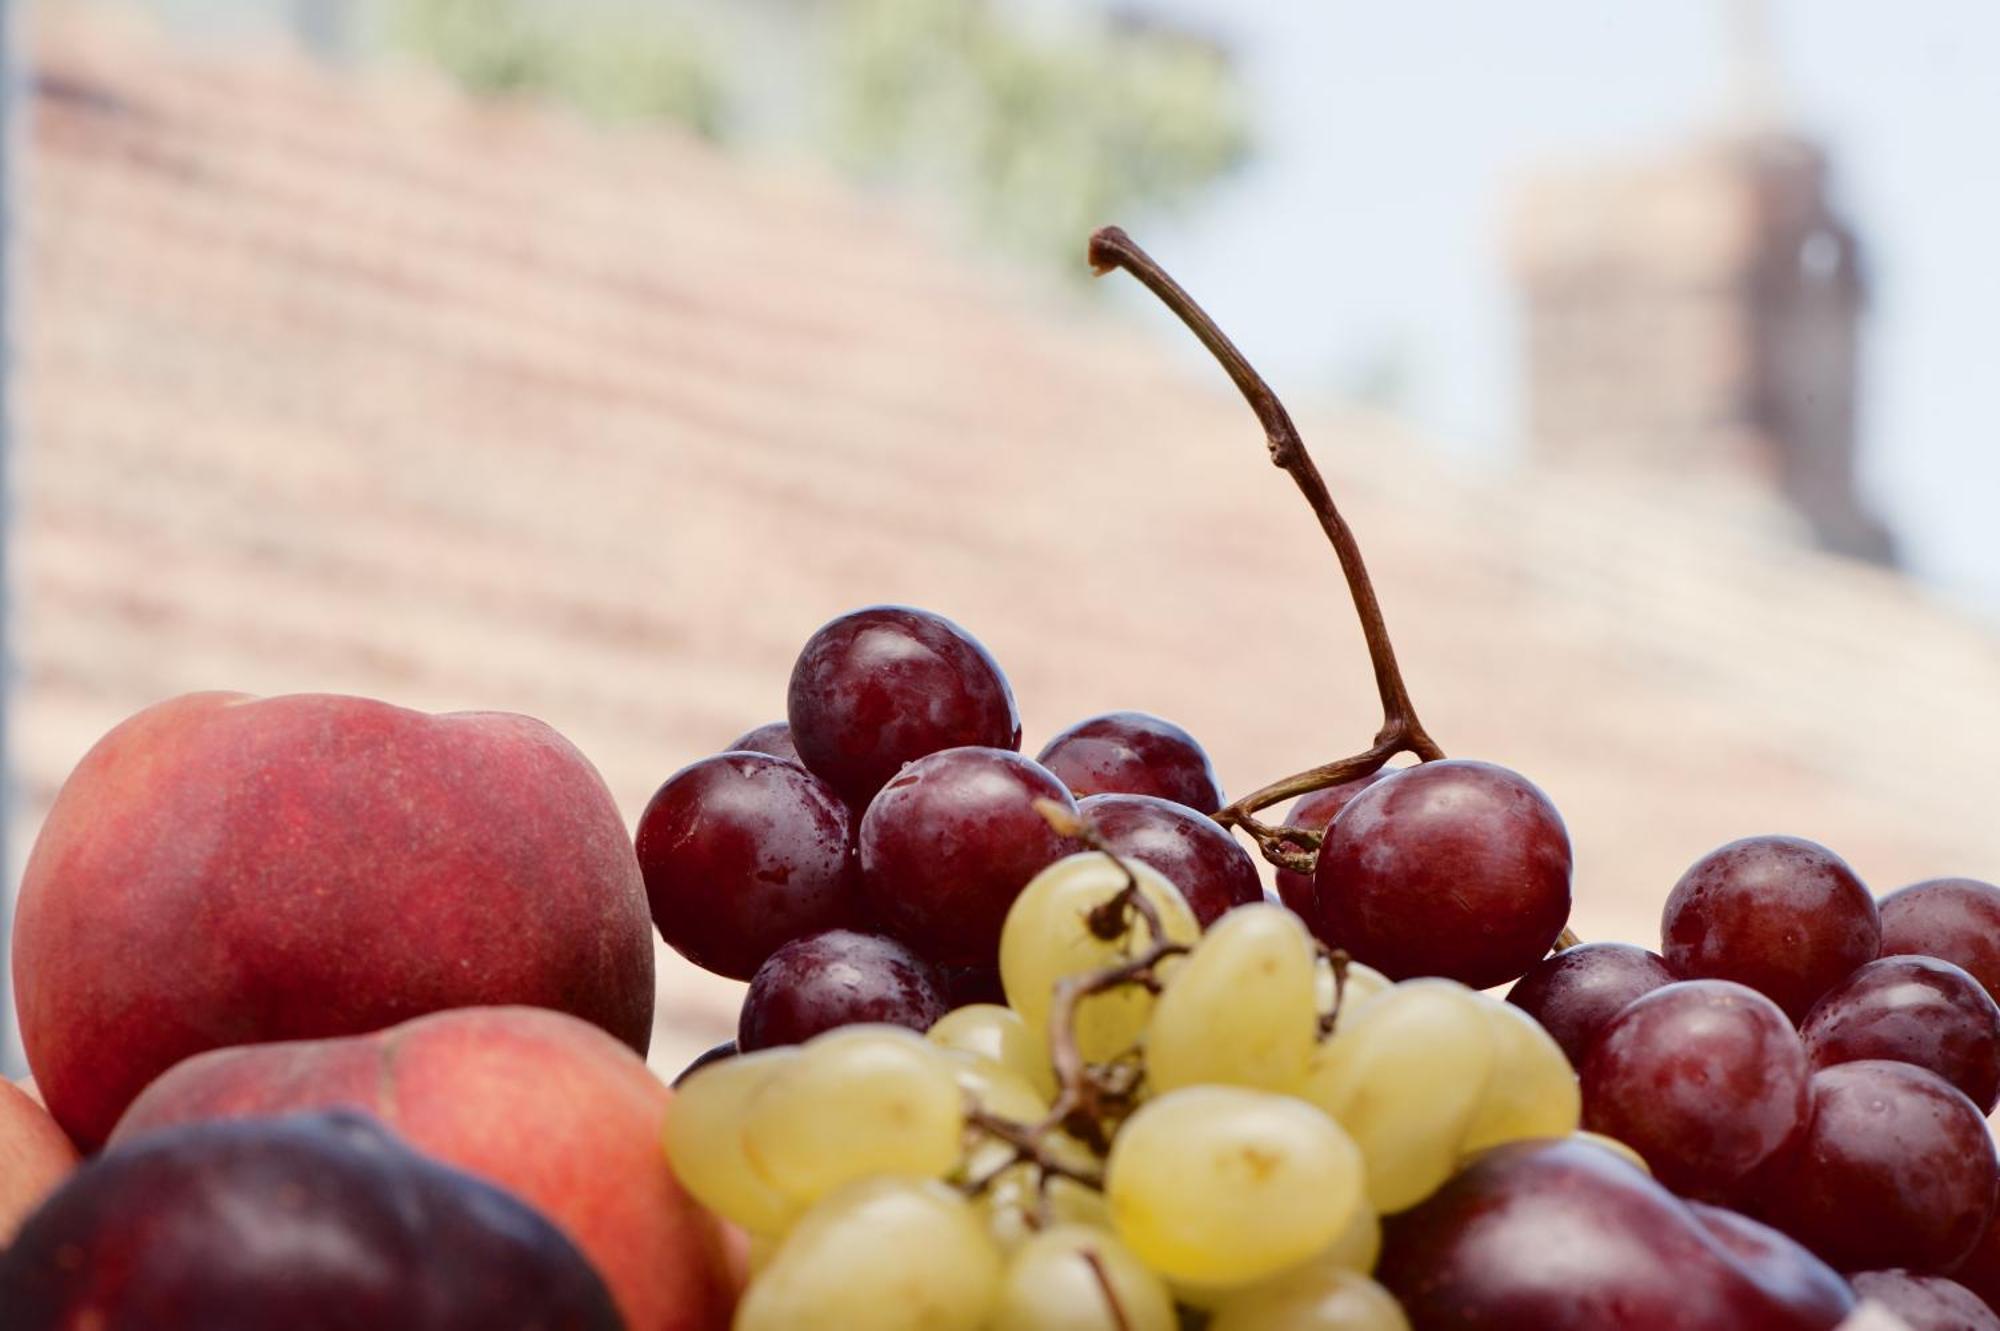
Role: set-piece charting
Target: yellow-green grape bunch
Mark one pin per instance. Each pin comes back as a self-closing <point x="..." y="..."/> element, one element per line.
<point x="1240" y="1011"/>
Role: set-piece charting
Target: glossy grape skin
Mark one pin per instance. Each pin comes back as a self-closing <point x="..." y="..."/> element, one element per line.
<point x="1575" y="993"/>
<point x="966" y="985"/>
<point x="884" y="686"/>
<point x="1783" y="915"/>
<point x="1133" y="753"/>
<point x="1926" y="1303"/>
<point x="773" y="737"/>
<point x="1704" y="1078"/>
<point x="1894" y="1169"/>
<point x="1914" y="1010"/>
<point x="743" y="852"/>
<point x="1980" y="1272"/>
<point x="838" y="978"/>
<point x="949" y="844"/>
<point x="1953" y="919"/>
<point x="1315" y="812"/>
<point x="1192" y="850"/>
<point x="1451" y="868"/>
<point x="1565" y="1236"/>
<point x="1778" y="1263"/>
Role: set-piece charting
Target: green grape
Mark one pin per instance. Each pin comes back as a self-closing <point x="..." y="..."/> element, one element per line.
<point x="1362" y="983"/>
<point x="1056" y="1281"/>
<point x="1316" y="1298"/>
<point x="1220" y="1185"/>
<point x="998" y="1033"/>
<point x="1239" y="1011"/>
<point x="1357" y="1249"/>
<point x="1533" y="1091"/>
<point x="1405" y="1077"/>
<point x="704" y="1140"/>
<point x="1001" y="1092"/>
<point x="859" y="1100"/>
<point x="881" y="1254"/>
<point x="1046" y="939"/>
<point x="1008" y="1205"/>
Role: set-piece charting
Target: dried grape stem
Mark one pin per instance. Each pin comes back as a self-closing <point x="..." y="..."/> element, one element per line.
<point x="1096" y="1265"/>
<point x="1401" y="731"/>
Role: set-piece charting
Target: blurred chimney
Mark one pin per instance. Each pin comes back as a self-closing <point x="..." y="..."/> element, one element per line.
<point x="1697" y="314"/>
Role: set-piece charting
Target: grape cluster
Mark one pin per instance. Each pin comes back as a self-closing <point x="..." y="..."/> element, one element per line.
<point x="856" y="861"/>
<point x="1801" y="1054"/>
<point x="1162" y="1122"/>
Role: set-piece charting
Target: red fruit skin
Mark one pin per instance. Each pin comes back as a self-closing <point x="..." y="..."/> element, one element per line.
<point x="1914" y="1010"/>
<point x="1561" y="1235"/>
<point x="34" y="1157"/>
<point x="1926" y="1303"/>
<point x="541" y="1104"/>
<point x="1953" y="919"/>
<point x="1705" y="1079"/>
<point x="1980" y="1272"/>
<point x="1452" y="868"/>
<point x="1316" y="812"/>
<point x="1778" y="1264"/>
<point x="225" y="870"/>
<point x="1895" y="1169"/>
<point x="1575" y="993"/>
<point x="773" y="737"/>
<point x="1191" y="850"/>
<point x="1132" y="753"/>
<point x="1781" y="914"/>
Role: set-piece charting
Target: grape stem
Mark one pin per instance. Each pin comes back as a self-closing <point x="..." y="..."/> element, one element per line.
<point x="1401" y="731"/>
<point x="1096" y="1265"/>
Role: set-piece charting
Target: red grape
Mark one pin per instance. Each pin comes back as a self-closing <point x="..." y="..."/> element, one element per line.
<point x="1560" y="1235"/>
<point x="1575" y="993"/>
<point x="1915" y="1010"/>
<point x="1315" y="812"/>
<point x="774" y="738"/>
<point x="1450" y="868"/>
<point x="1779" y="1264"/>
<point x="966" y="985"/>
<point x="834" y="979"/>
<point x="1785" y="916"/>
<point x="1956" y="919"/>
<point x="742" y="853"/>
<point x="1207" y="864"/>
<point x="1895" y="1169"/>
<point x="881" y="687"/>
<point x="1926" y="1303"/>
<point x="949" y="844"/>
<point x="1132" y="753"/>
<point x="1980" y="1272"/>
<point x="1703" y="1078"/>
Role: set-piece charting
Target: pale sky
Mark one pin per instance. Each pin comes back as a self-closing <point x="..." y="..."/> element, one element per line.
<point x="1389" y="133"/>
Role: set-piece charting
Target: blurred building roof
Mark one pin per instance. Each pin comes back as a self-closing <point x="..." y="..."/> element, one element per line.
<point x="350" y="383"/>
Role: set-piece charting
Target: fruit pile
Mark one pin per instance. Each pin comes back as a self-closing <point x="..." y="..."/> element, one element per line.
<point x="345" y="1008"/>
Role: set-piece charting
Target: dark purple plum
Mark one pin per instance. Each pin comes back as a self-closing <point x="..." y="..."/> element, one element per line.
<point x="774" y="738"/>
<point x="1560" y="1235"/>
<point x="311" y="1222"/>
<point x="1575" y="993"/>
<point x="1452" y="868"/>
<point x="1132" y="753"/>
<point x="1315" y="812"/>
<point x="834" y="979"/>
<point x="881" y="687"/>
<point x="742" y="853"/>
<point x="1926" y="1303"/>
<point x="1785" y="916"/>
<point x="1953" y="919"/>
<point x="1705" y="1079"/>
<point x="1915" y="1010"/>
<point x="1895" y="1169"/>
<point x="1192" y="850"/>
<point x="949" y="844"/>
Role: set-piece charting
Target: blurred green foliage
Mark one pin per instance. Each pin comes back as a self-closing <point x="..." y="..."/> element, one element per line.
<point x="1039" y="131"/>
<point x="642" y="67"/>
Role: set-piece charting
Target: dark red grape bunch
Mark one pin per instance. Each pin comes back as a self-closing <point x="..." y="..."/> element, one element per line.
<point x="1452" y="868"/>
<point x="1783" y="915"/>
<point x="1576" y="992"/>
<point x="1190" y="850"/>
<point x="742" y="853"/>
<point x="881" y="687"/>
<point x="838" y="978"/>
<point x="1132" y="753"/>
